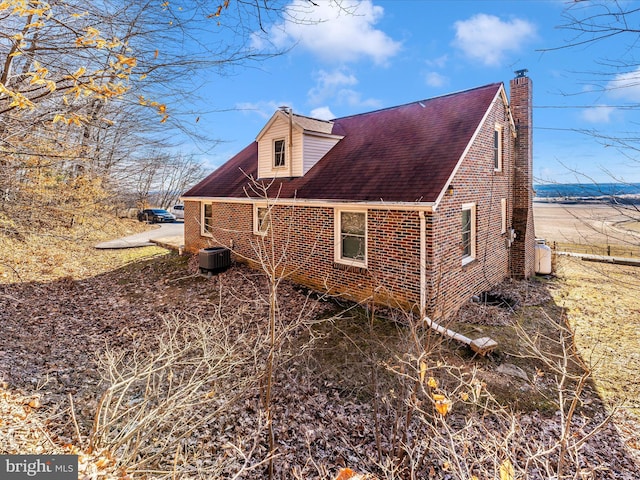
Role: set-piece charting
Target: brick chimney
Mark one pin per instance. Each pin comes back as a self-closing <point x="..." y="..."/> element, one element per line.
<point x="523" y="247"/>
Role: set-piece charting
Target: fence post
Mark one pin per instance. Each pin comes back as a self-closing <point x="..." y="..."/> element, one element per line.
<point x="608" y="250"/>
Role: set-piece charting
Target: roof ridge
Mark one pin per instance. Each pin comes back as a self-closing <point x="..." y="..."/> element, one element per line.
<point x="444" y="95"/>
<point x="311" y="118"/>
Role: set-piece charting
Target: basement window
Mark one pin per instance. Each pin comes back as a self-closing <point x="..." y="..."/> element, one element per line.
<point x="350" y="237"/>
<point x="468" y="233"/>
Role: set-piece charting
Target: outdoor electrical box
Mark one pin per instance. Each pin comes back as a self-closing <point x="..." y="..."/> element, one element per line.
<point x="214" y="259"/>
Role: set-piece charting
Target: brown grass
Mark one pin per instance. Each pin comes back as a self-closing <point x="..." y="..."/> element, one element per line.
<point x="625" y="251"/>
<point x="54" y="254"/>
<point x="602" y="303"/>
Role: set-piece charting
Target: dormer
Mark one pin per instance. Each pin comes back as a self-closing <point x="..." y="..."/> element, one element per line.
<point x="289" y="145"/>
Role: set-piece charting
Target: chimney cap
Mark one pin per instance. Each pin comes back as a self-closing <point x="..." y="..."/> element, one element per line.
<point x="521" y="73"/>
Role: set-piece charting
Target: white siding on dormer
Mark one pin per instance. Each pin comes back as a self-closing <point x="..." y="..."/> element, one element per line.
<point x="314" y="149"/>
<point x="279" y="130"/>
<point x="308" y="146"/>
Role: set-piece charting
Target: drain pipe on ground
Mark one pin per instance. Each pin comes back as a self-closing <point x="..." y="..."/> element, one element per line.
<point x="482" y="346"/>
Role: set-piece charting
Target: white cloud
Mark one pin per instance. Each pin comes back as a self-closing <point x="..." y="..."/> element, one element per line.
<point x="488" y="39"/>
<point x="597" y="114"/>
<point x="335" y="32"/>
<point x="264" y="109"/>
<point x="335" y="86"/>
<point x="439" y="62"/>
<point x="323" y="113"/>
<point x="434" y="79"/>
<point x="626" y="86"/>
<point x="329" y="83"/>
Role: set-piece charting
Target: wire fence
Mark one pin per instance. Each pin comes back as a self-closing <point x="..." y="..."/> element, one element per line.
<point x="624" y="251"/>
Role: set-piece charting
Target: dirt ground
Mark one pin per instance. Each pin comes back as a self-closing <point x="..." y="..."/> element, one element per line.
<point x="325" y="415"/>
<point x="585" y="223"/>
<point x="339" y="402"/>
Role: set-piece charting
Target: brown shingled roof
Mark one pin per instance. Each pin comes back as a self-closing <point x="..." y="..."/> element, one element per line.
<point x="400" y="154"/>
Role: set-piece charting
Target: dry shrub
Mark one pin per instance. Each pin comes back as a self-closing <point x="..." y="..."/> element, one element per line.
<point x="166" y="395"/>
<point x="456" y="428"/>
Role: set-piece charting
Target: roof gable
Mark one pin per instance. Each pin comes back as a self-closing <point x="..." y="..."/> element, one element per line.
<point x="400" y="154"/>
<point x="299" y="123"/>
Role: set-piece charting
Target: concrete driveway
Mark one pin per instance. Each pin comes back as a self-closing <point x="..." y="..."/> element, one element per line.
<point x="169" y="235"/>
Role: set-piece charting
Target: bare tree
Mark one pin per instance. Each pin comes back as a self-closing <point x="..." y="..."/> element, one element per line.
<point x="599" y="22"/>
<point x="158" y="179"/>
<point x="84" y="87"/>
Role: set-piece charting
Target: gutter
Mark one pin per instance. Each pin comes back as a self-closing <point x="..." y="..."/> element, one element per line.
<point x="374" y="205"/>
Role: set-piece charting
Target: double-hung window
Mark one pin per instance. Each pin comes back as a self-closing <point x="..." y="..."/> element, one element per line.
<point x="261" y="219"/>
<point x="351" y="237"/>
<point x="468" y="232"/>
<point x="207" y="218"/>
<point x="497" y="148"/>
<point x="279" y="153"/>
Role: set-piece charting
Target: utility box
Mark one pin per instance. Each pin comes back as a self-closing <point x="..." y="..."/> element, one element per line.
<point x="543" y="259"/>
<point x="214" y="259"/>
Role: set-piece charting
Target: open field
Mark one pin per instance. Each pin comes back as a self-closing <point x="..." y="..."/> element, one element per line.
<point x="589" y="228"/>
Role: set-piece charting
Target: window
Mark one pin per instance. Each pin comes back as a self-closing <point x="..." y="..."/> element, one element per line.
<point x="351" y="237"/>
<point x="207" y="218"/>
<point x="503" y="211"/>
<point x="278" y="153"/>
<point x="468" y="232"/>
<point x="497" y="148"/>
<point x="261" y="219"/>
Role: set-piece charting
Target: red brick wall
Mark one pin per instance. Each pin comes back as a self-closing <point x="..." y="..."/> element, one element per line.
<point x="303" y="236"/>
<point x="452" y="283"/>
<point x="523" y="258"/>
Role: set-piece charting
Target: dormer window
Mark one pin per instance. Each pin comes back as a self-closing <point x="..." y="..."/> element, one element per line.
<point x="278" y="153"/>
<point x="290" y="145"/>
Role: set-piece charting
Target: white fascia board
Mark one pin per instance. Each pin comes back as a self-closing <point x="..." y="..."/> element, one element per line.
<point x="505" y="100"/>
<point x="278" y="113"/>
<point x="268" y="125"/>
<point x="301" y="202"/>
<point x="313" y="133"/>
<point x="500" y="93"/>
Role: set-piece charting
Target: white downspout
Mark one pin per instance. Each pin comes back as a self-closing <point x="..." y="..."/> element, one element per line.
<point x="290" y="142"/>
<point x="482" y="345"/>
<point x="423" y="265"/>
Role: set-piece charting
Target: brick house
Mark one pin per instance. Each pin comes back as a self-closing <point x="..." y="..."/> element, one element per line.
<point x="422" y="205"/>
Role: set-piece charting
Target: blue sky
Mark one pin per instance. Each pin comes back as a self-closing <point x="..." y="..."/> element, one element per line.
<point x="389" y="52"/>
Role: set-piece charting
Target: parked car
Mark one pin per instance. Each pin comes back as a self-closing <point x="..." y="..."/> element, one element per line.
<point x="178" y="211"/>
<point x="155" y="215"/>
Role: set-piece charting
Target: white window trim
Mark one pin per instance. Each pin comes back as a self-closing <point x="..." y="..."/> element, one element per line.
<point x="503" y="215"/>
<point x="256" y="226"/>
<point x="498" y="128"/>
<point x="203" y="231"/>
<point x="284" y="153"/>
<point x="337" y="237"/>
<point x="470" y="258"/>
